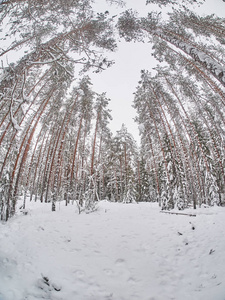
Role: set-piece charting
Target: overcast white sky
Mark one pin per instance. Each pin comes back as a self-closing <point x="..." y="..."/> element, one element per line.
<point x="120" y="81"/>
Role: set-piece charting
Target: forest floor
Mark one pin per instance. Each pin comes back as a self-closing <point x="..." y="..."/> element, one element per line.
<point x="119" y="252"/>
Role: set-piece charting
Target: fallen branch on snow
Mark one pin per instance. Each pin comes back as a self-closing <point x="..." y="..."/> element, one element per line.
<point x="177" y="213"/>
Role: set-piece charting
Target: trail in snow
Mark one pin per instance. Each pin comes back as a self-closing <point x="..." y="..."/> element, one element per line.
<point x="120" y="252"/>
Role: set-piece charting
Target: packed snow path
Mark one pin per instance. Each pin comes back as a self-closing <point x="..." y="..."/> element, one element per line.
<point x="129" y="252"/>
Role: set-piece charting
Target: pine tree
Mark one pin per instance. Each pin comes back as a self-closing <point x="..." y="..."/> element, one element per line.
<point x="37" y="85"/>
<point x="143" y="183"/>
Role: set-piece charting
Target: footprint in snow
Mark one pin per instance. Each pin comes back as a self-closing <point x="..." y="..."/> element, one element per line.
<point x="97" y="252"/>
<point x="132" y="280"/>
<point x="77" y="249"/>
<point x="120" y="261"/>
<point x="108" y="272"/>
<point x="80" y="273"/>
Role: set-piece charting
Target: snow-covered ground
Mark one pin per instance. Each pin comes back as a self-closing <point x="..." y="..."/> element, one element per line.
<point x="121" y="251"/>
